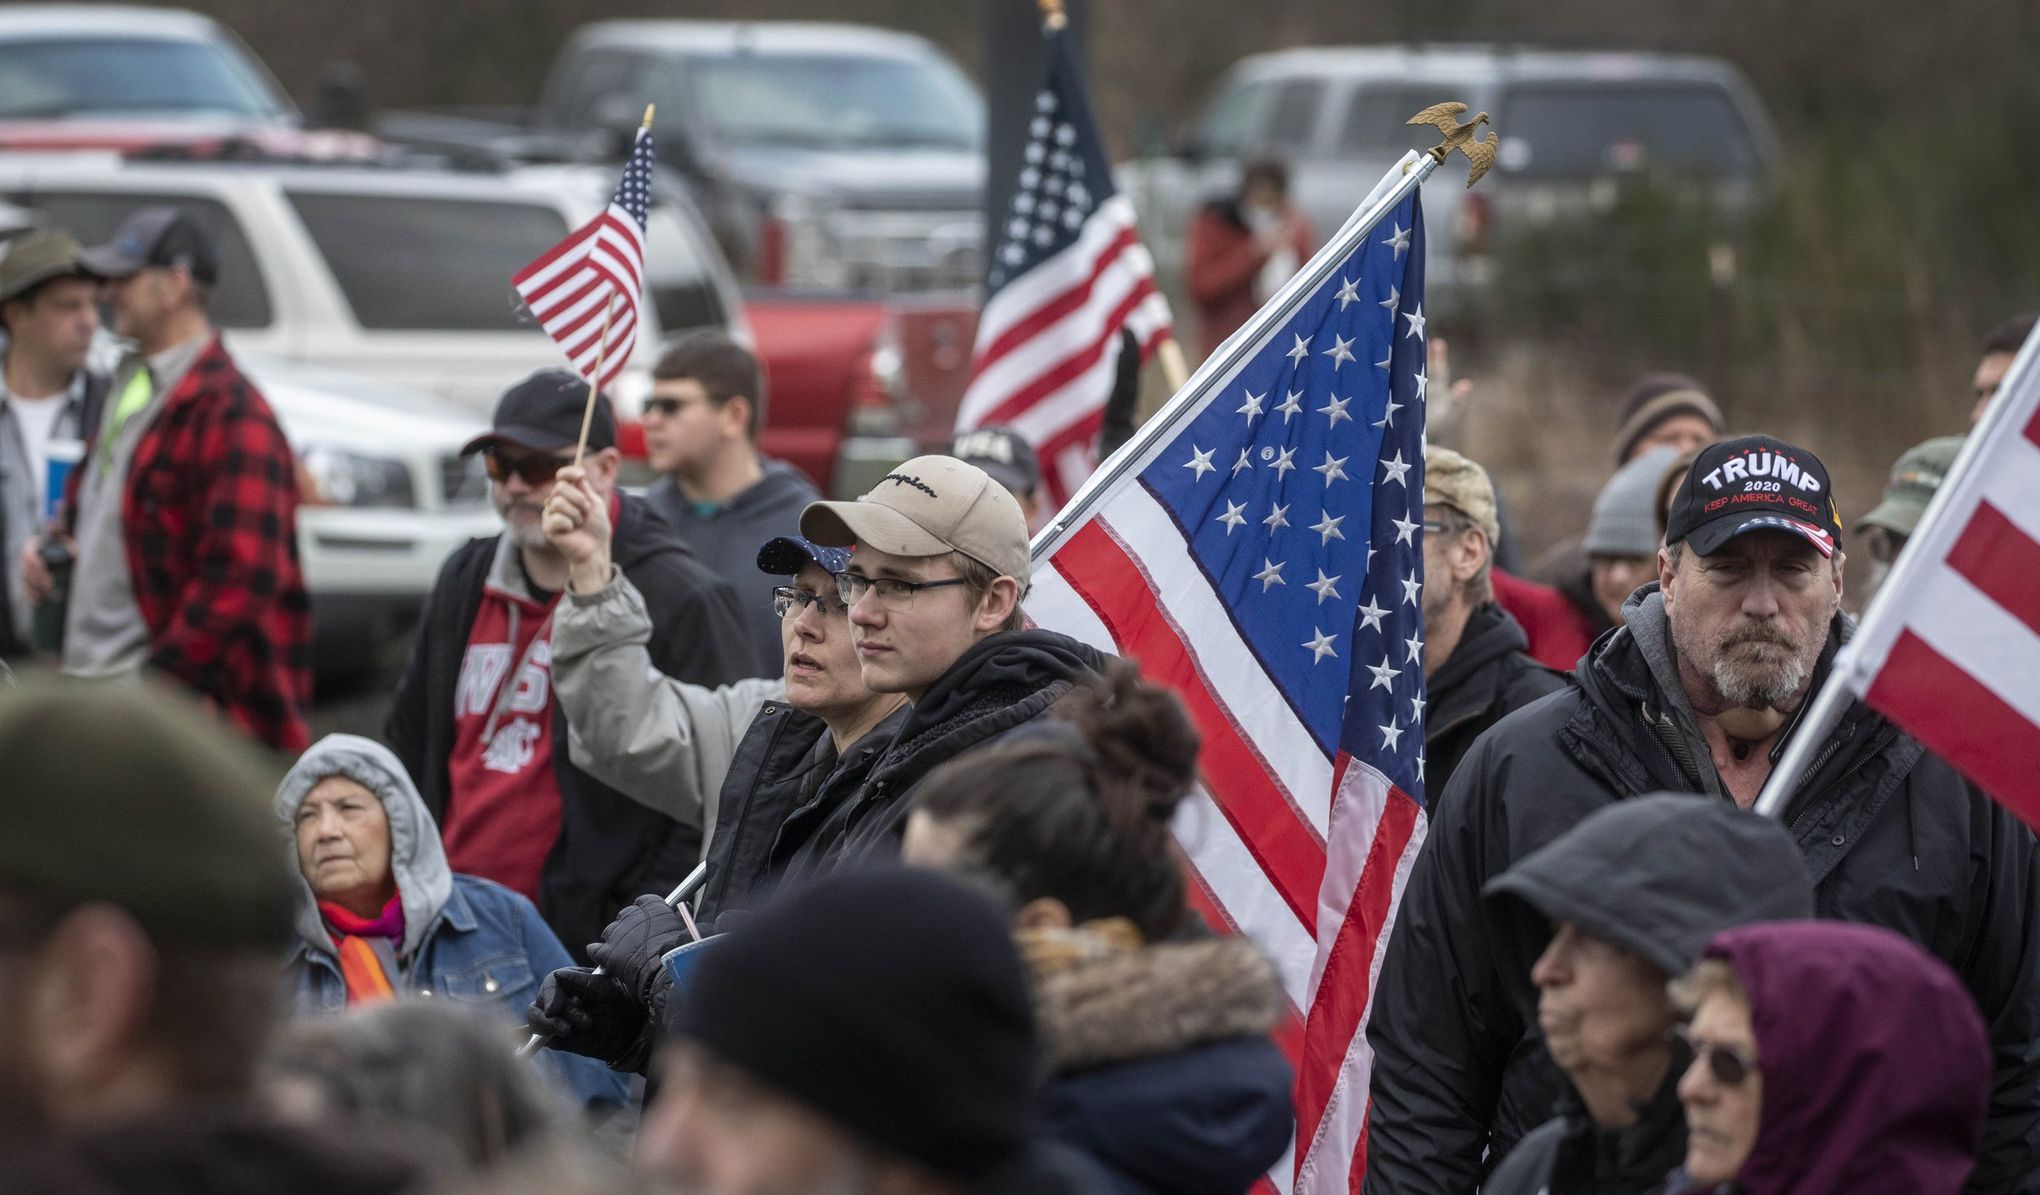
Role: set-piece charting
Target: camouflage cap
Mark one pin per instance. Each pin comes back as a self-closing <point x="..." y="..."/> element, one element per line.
<point x="1914" y="479"/>
<point x="1455" y="481"/>
<point x="128" y="794"/>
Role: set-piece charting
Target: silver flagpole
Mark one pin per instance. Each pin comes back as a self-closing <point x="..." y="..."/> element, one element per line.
<point x="681" y="892"/>
<point x="1402" y="178"/>
<point x="1843" y="679"/>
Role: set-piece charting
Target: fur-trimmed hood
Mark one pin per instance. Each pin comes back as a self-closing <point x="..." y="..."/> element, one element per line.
<point x="1164" y="1073"/>
<point x="1156" y="1000"/>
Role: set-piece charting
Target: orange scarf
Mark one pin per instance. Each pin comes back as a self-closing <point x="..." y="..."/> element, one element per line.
<point x="360" y="967"/>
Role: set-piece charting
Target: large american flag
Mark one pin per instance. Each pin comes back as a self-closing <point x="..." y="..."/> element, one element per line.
<point x="1260" y="553"/>
<point x="1066" y="276"/>
<point x="1950" y="649"/>
<point x="595" y="279"/>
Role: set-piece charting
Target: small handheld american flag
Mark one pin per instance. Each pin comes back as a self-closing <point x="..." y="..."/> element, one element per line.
<point x="586" y="290"/>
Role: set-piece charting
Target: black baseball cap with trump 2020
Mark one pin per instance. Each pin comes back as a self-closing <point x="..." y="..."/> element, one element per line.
<point x="1754" y="483"/>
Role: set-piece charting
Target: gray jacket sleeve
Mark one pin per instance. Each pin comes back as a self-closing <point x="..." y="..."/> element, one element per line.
<point x="664" y="743"/>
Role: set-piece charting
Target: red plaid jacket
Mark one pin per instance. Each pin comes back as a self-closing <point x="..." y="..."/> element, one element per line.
<point x="209" y="514"/>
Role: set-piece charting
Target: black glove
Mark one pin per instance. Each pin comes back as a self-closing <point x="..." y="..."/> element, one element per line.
<point x="588" y="1014"/>
<point x="633" y="944"/>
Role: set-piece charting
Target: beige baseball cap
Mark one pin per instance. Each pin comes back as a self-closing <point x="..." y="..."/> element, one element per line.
<point x="928" y="506"/>
<point x="1457" y="482"/>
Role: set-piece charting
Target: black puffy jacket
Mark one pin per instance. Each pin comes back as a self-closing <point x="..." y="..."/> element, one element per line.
<point x="1892" y="836"/>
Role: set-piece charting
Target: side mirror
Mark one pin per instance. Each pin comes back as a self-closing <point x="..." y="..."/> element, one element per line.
<point x="339" y="104"/>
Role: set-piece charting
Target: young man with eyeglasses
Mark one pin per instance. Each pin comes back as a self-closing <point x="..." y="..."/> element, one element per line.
<point x="475" y="720"/>
<point x="1477" y="669"/>
<point x="724" y="498"/>
<point x="929" y="595"/>
<point x="1632" y="894"/>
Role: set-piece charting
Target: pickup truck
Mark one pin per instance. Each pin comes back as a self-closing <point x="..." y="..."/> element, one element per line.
<point x="841" y="169"/>
<point x="1576" y="128"/>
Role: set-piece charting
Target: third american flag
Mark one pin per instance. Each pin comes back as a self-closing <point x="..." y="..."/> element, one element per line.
<point x="1067" y="274"/>
<point x="1260" y="553"/>
<point x="595" y="279"/>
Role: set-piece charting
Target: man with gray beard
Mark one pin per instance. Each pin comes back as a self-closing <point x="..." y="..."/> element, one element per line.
<point x="474" y="720"/>
<point x="1698" y="693"/>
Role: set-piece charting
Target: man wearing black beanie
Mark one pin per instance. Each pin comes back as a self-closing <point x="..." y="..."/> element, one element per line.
<point x="872" y="1031"/>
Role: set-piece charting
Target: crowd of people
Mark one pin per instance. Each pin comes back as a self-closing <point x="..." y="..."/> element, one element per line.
<point x="945" y="942"/>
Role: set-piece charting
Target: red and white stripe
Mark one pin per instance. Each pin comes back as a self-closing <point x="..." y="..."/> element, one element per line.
<point x="1306" y="856"/>
<point x="1951" y="650"/>
<point x="1046" y="352"/>
<point x="589" y="281"/>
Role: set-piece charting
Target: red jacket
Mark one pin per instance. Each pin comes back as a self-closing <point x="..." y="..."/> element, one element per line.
<point x="1220" y="265"/>
<point x="209" y="515"/>
<point x="1559" y="634"/>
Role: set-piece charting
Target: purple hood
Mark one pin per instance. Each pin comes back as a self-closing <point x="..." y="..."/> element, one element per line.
<point x="1875" y="1065"/>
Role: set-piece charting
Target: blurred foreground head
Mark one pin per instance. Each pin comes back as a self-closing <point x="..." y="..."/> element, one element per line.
<point x="143" y="906"/>
<point x="870" y="1032"/>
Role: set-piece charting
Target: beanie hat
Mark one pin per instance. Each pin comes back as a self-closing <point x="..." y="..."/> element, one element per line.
<point x="892" y="1001"/>
<point x="1624" y="522"/>
<point x="1656" y="397"/>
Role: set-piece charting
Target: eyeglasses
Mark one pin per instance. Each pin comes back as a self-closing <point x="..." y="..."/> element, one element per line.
<point x="534" y="469"/>
<point x="791" y="602"/>
<point x="892" y="594"/>
<point x="1730" y="1066"/>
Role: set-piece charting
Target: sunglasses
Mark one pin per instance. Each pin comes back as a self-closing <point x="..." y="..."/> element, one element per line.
<point x="534" y="469"/>
<point x="1730" y="1066"/>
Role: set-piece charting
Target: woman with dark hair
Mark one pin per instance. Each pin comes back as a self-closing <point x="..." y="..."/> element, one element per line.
<point x="1157" y="1033"/>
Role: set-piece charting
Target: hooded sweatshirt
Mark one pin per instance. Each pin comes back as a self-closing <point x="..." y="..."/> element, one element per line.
<point x="464" y="938"/>
<point x="1656" y="876"/>
<point x="727" y="535"/>
<point x="1876" y="1069"/>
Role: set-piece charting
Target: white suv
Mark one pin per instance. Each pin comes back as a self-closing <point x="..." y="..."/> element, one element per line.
<point x="397" y="274"/>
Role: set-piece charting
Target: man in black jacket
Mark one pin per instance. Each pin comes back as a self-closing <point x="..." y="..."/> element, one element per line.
<point x="475" y="721"/>
<point x="1633" y="894"/>
<point x="1696" y="694"/>
<point x="1474" y="663"/>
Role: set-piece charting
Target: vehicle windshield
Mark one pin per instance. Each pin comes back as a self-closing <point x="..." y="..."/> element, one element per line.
<point x="52" y="78"/>
<point x="1586" y="130"/>
<point x="838" y="100"/>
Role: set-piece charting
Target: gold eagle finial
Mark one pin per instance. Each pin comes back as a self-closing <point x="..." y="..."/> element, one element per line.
<point x="1480" y="154"/>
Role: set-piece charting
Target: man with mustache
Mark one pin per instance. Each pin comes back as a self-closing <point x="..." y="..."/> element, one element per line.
<point x="1698" y="693"/>
<point x="475" y="720"/>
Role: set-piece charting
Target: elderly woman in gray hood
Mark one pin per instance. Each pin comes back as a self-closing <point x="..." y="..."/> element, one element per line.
<point x="380" y="915"/>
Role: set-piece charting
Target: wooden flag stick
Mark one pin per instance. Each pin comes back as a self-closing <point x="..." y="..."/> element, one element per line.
<point x="594" y="389"/>
<point x="601" y="349"/>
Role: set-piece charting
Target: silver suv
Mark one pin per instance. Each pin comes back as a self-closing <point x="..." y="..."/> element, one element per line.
<point x="1575" y="128"/>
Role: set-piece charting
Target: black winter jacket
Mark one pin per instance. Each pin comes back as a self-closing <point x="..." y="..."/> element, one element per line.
<point x="611" y="849"/>
<point x="1000" y="682"/>
<point x="1487" y="677"/>
<point x="1892" y="836"/>
<point x="784" y="779"/>
<point x="1573" y="1155"/>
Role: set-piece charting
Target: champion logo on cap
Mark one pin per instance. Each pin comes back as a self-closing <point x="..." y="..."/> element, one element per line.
<point x="913" y="482"/>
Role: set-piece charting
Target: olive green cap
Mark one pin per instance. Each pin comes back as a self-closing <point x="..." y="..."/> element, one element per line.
<point x="37" y="257"/>
<point x="1913" y="481"/>
<point x="127" y="793"/>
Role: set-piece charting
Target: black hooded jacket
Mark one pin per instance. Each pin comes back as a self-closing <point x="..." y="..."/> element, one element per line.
<point x="611" y="849"/>
<point x="1000" y="682"/>
<point x="1487" y="677"/>
<point x="785" y="779"/>
<point x="1572" y="1154"/>
<point x="1891" y="836"/>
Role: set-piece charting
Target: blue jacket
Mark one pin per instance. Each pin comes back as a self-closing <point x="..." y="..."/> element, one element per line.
<point x="465" y="938"/>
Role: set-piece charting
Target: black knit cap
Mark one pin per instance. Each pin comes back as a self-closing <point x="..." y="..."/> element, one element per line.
<point x="893" y="1001"/>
